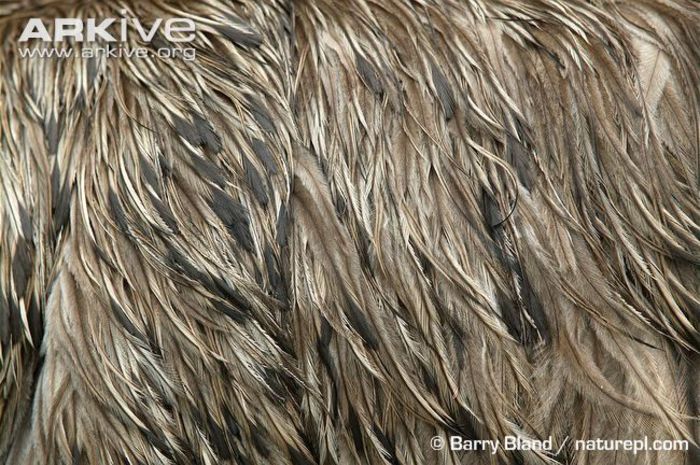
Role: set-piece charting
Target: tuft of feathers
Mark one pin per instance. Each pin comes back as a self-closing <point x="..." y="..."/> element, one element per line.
<point x="348" y="227"/>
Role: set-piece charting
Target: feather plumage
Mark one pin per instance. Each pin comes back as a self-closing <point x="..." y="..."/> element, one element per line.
<point x="346" y="228"/>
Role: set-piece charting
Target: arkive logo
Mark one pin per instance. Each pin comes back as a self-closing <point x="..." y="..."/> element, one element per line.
<point x="108" y="38"/>
<point x="109" y="30"/>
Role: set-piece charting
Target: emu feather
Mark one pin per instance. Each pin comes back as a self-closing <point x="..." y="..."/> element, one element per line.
<point x="346" y="228"/>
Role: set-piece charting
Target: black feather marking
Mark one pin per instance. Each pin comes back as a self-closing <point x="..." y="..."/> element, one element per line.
<point x="208" y="170"/>
<point x="165" y="214"/>
<point x="231" y="312"/>
<point x="534" y="307"/>
<point x="324" y="351"/>
<point x="260" y="114"/>
<point x="149" y="173"/>
<point x="125" y="321"/>
<point x="519" y="157"/>
<point x="52" y="135"/>
<point x="4" y="321"/>
<point x="179" y="262"/>
<point x="187" y="131"/>
<point x="298" y="458"/>
<point x="444" y="92"/>
<point x="241" y="37"/>
<point x="429" y="380"/>
<point x="77" y="455"/>
<point x="276" y="381"/>
<point x="259" y="435"/>
<point x="15" y="322"/>
<point x="492" y="214"/>
<point x="324" y="344"/>
<point x="364" y="248"/>
<point x="35" y="322"/>
<point x="240" y="459"/>
<point x="258" y="276"/>
<point x="388" y="445"/>
<point x="79" y="103"/>
<point x="118" y="213"/>
<point x="341" y="207"/>
<point x="356" y="431"/>
<point x="26" y="223"/>
<point x="510" y="315"/>
<point x="255" y="182"/>
<point x="21" y="267"/>
<point x="369" y="75"/>
<point x="326" y="332"/>
<point x="311" y="445"/>
<point x="232" y="294"/>
<point x="232" y="424"/>
<point x="264" y="154"/>
<point x="425" y="263"/>
<point x="279" y="290"/>
<point x="91" y="68"/>
<point x="511" y="310"/>
<point x="103" y="256"/>
<point x="158" y="441"/>
<point x="234" y="216"/>
<point x="361" y="325"/>
<point x="217" y="438"/>
<point x="209" y="138"/>
<point x="466" y="424"/>
<point x="55" y="183"/>
<point x="282" y="226"/>
<point x="61" y="204"/>
<point x="234" y="306"/>
<point x="158" y="42"/>
<point x="153" y="344"/>
<point x="166" y="165"/>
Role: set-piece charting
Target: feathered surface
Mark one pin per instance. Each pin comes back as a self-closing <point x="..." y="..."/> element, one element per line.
<point x="348" y="227"/>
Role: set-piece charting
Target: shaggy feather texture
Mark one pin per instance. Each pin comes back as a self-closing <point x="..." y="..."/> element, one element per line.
<point x="348" y="227"/>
